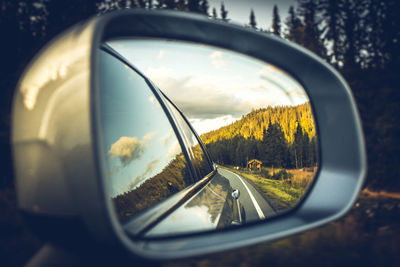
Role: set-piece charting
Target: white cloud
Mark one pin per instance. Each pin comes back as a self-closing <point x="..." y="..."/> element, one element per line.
<point x="173" y="151"/>
<point x="141" y="178"/>
<point x="206" y="125"/>
<point x="148" y="137"/>
<point x="152" y="99"/>
<point x="268" y="70"/>
<point x="129" y="148"/>
<point x="161" y="54"/>
<point x="158" y="72"/>
<point x="215" y="55"/>
<point x="283" y="88"/>
<point x="217" y="60"/>
<point x="166" y="139"/>
<point x="200" y="98"/>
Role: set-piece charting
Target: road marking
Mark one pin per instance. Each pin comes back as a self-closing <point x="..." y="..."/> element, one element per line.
<point x="258" y="209"/>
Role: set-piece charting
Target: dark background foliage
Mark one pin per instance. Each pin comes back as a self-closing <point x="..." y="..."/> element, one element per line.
<point x="360" y="38"/>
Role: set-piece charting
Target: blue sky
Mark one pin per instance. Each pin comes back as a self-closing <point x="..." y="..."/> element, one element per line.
<point x="134" y="153"/>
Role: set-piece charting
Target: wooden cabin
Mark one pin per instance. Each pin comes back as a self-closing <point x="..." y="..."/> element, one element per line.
<point x="254" y="164"/>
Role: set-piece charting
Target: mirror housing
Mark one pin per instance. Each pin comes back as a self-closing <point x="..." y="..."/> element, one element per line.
<point x="56" y="130"/>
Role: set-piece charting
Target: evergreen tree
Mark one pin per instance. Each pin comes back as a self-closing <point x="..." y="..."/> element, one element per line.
<point x="312" y="156"/>
<point x="391" y="34"/>
<point x="312" y="34"/>
<point x="333" y="32"/>
<point x="252" y="21"/>
<point x="168" y="4"/>
<point x="224" y="12"/>
<point x="103" y="6"/>
<point x="181" y="5"/>
<point x="295" y="28"/>
<point x="204" y="6"/>
<point x="64" y="14"/>
<point x="298" y="147"/>
<point x="214" y="13"/>
<point x="273" y="147"/>
<point x="123" y="4"/>
<point x="140" y="3"/>
<point x="352" y="32"/>
<point x="276" y="22"/>
<point x="194" y="6"/>
<point x="11" y="55"/>
<point x="377" y="39"/>
<point x="240" y="156"/>
<point x="306" y="151"/>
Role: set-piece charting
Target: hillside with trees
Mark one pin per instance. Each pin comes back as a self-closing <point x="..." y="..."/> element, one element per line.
<point x="172" y="179"/>
<point x="281" y="137"/>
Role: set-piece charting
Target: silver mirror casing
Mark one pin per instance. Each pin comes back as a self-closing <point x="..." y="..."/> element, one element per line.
<point x="56" y="124"/>
<point x="52" y="134"/>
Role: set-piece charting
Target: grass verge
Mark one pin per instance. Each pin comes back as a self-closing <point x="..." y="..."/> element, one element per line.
<point x="281" y="194"/>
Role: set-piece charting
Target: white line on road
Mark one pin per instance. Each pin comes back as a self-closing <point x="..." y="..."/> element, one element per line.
<point x="258" y="209"/>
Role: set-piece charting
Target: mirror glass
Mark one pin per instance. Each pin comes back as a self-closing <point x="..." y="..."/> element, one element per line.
<point x="254" y="123"/>
<point x="145" y="164"/>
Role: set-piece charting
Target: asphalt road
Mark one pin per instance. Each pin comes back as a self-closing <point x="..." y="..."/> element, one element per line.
<point x="255" y="205"/>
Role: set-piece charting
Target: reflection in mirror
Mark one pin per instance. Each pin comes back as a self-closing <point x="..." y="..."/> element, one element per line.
<point x="144" y="159"/>
<point x="254" y="119"/>
<point x="200" y="164"/>
<point x="210" y="209"/>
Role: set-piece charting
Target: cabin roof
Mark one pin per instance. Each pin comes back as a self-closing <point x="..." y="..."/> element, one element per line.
<point x="254" y="160"/>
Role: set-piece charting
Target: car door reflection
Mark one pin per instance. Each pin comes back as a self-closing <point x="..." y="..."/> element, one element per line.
<point x="211" y="208"/>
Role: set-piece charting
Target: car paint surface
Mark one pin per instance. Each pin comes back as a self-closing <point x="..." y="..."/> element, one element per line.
<point x="211" y="208"/>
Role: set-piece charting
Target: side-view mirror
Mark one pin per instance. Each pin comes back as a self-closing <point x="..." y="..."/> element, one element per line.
<point x="104" y="145"/>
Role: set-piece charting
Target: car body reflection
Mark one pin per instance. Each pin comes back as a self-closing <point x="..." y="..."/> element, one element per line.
<point x="210" y="208"/>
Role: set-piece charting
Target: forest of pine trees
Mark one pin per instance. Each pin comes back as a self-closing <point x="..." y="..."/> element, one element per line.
<point x="281" y="137"/>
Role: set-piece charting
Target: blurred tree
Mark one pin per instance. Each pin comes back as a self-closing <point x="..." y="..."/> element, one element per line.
<point x="204" y="6"/>
<point x="224" y="12"/>
<point x="332" y="32"/>
<point x="308" y="9"/>
<point x="194" y="6"/>
<point x="214" y="13"/>
<point x="391" y="29"/>
<point x="123" y="3"/>
<point x="252" y="22"/>
<point x="353" y="33"/>
<point x="140" y="3"/>
<point x="276" y="22"/>
<point x="64" y="14"/>
<point x="168" y="4"/>
<point x="295" y="28"/>
<point x="182" y="6"/>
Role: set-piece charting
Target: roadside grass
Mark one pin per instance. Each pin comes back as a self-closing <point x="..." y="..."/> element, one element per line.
<point x="282" y="194"/>
<point x="302" y="178"/>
